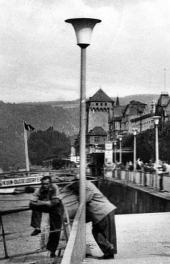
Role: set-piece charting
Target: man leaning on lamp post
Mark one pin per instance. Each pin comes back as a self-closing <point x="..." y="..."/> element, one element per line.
<point x="101" y="213"/>
<point x="47" y="200"/>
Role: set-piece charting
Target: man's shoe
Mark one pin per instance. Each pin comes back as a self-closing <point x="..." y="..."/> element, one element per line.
<point x="36" y="232"/>
<point x="53" y="255"/>
<point x="109" y="254"/>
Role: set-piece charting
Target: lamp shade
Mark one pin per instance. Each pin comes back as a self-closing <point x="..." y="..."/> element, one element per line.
<point x="156" y="119"/>
<point x="114" y="142"/>
<point x="83" y="28"/>
<point x="135" y="130"/>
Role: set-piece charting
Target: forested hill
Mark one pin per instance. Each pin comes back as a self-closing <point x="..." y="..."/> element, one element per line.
<point x="144" y="98"/>
<point x="62" y="116"/>
<point x="41" y="117"/>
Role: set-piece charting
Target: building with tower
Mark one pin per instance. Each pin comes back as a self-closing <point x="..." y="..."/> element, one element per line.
<point x="107" y="120"/>
<point x="163" y="107"/>
<point x="98" y="108"/>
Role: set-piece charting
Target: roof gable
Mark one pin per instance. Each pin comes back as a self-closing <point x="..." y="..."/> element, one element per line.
<point x="100" y="96"/>
<point x="163" y="99"/>
<point x="134" y="108"/>
<point x="98" y="131"/>
<point x="118" y="110"/>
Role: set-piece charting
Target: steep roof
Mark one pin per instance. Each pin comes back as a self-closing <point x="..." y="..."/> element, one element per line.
<point x="97" y="131"/>
<point x="163" y="99"/>
<point x="100" y="96"/>
<point x="134" y="107"/>
<point x="117" y="101"/>
<point x="118" y="110"/>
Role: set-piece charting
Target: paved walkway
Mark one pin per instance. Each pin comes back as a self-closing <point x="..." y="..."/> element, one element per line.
<point x="141" y="238"/>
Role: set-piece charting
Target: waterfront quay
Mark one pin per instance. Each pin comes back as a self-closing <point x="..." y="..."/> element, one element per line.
<point x="141" y="237"/>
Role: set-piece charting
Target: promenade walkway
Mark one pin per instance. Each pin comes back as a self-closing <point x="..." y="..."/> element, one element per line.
<point x="141" y="238"/>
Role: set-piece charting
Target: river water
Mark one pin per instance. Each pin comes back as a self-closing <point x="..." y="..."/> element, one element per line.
<point x="18" y="225"/>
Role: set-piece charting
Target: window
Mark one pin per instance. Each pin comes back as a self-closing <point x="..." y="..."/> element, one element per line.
<point x="97" y="139"/>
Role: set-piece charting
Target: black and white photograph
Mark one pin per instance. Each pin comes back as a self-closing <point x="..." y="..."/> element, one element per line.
<point x="84" y="131"/>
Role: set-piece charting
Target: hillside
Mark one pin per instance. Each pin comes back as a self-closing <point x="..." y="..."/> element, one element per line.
<point x="62" y="116"/>
<point x="41" y="117"/>
<point x="144" y="98"/>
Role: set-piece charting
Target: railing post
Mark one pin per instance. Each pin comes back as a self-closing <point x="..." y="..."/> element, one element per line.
<point x="144" y="178"/>
<point x="3" y="236"/>
<point x="161" y="182"/>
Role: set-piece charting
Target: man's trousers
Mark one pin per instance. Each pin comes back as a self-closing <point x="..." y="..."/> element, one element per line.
<point x="56" y="213"/>
<point x="104" y="233"/>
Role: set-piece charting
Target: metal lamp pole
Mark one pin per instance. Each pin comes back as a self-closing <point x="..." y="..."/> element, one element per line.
<point x="83" y="28"/>
<point x="156" y="121"/>
<point x="120" y="140"/>
<point x="114" y="142"/>
<point x="134" y="153"/>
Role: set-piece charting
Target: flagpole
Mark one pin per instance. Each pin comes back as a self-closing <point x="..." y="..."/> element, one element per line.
<point x="26" y="148"/>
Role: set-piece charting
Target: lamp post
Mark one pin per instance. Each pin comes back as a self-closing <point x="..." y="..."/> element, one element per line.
<point x="120" y="141"/>
<point x="134" y="153"/>
<point x="83" y="28"/>
<point x="115" y="142"/>
<point x="156" y="121"/>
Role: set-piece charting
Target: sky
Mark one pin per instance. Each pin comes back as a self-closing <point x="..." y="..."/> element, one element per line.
<point x="40" y="60"/>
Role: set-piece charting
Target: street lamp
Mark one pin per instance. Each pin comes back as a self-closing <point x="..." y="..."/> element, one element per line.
<point x="115" y="142"/>
<point x="120" y="141"/>
<point x="83" y="28"/>
<point x="135" y="130"/>
<point x="156" y="121"/>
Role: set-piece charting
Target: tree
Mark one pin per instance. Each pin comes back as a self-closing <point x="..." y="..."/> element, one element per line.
<point x="47" y="144"/>
<point x="145" y="143"/>
<point x="164" y="142"/>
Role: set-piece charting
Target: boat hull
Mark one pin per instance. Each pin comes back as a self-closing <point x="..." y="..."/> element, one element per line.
<point x="7" y="190"/>
<point x="21" y="181"/>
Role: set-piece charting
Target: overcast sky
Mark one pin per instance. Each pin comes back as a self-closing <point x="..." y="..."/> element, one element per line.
<point x="40" y="61"/>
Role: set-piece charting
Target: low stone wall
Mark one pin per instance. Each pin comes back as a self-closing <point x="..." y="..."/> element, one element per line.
<point x="76" y="246"/>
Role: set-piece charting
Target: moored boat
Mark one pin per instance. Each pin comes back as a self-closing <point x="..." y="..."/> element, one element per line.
<point x="7" y="190"/>
<point x="23" y="183"/>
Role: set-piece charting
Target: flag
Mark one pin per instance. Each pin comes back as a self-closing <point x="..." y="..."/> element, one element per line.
<point x="28" y="127"/>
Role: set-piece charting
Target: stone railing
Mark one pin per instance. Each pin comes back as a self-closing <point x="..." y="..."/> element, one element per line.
<point x="160" y="182"/>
